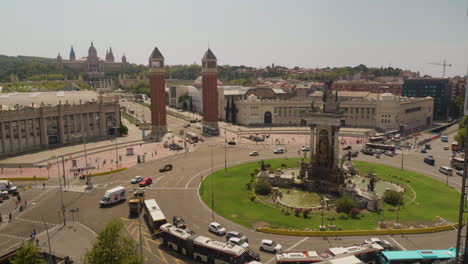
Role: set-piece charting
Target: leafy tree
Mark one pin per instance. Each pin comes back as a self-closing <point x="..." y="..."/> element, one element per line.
<point x="113" y="246"/>
<point x="344" y="204"/>
<point x="27" y="254"/>
<point x="354" y="212"/>
<point x="461" y="133"/>
<point x="123" y="129"/>
<point x="393" y="197"/>
<point x="263" y="188"/>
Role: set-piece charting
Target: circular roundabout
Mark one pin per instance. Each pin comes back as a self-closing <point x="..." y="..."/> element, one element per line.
<point x="424" y="202"/>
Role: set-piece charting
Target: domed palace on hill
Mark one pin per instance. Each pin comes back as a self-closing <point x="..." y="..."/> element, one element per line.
<point x="93" y="67"/>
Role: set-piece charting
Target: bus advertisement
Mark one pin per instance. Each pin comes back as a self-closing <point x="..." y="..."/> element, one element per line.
<point x="154" y="216"/>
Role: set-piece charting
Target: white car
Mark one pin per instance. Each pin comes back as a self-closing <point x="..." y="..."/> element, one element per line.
<point x="238" y="242"/>
<point x="279" y="151"/>
<point x="217" y="229"/>
<point x="305" y="148"/>
<point x="136" y="180"/>
<point x="384" y="243"/>
<point x="253" y="153"/>
<point x="270" y="246"/>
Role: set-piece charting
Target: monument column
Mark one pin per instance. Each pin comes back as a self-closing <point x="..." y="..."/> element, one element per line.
<point x="210" y="89"/>
<point x="158" y="95"/>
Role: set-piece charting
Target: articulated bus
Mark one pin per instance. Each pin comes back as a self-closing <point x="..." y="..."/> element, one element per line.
<point x="417" y="256"/>
<point x="343" y="260"/>
<point x="191" y="137"/>
<point x="154" y="216"/>
<point x="210" y="131"/>
<point x="204" y="249"/>
<point x="390" y="148"/>
<point x="362" y="251"/>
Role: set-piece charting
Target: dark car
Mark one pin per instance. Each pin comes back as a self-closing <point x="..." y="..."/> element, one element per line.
<point x="347" y="148"/>
<point x="367" y="152"/>
<point x="231" y="142"/>
<point x="429" y="160"/>
<point x="179" y="222"/>
<point x="174" y="146"/>
<point x="166" y="167"/>
<point x="236" y="234"/>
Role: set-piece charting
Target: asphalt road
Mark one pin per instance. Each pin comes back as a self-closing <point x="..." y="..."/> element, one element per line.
<point x="176" y="193"/>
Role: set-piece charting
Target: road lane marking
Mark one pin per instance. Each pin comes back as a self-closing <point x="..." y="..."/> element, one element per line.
<point x="396" y="242"/>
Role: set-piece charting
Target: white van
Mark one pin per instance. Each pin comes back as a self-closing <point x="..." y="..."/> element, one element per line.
<point x="113" y="195"/>
<point x="445" y="170"/>
<point x="6" y="185"/>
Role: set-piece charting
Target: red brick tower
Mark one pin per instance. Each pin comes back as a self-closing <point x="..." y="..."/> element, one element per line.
<point x="158" y="94"/>
<point x="210" y="89"/>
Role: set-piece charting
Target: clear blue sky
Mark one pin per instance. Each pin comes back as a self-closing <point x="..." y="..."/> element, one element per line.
<point x="307" y="33"/>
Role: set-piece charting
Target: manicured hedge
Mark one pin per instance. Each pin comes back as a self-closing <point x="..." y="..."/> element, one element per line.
<point x="107" y="172"/>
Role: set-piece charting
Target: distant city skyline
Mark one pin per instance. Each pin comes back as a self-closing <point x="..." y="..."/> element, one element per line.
<point x="303" y="33"/>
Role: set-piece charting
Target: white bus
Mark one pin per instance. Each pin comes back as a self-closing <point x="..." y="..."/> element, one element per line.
<point x="204" y="249"/>
<point x="154" y="216"/>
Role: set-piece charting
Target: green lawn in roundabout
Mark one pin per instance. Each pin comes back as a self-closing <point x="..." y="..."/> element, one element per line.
<point x="425" y="200"/>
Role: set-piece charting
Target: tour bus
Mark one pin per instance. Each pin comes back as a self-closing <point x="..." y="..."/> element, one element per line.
<point x="390" y="148"/>
<point x="457" y="163"/>
<point x="191" y="137"/>
<point x="454" y="146"/>
<point x="204" y="249"/>
<point x="210" y="131"/>
<point x="363" y="251"/>
<point x="376" y="139"/>
<point x="417" y="256"/>
<point x="154" y="216"/>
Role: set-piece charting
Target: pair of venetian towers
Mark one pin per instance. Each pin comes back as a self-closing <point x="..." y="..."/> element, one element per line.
<point x="158" y="94"/>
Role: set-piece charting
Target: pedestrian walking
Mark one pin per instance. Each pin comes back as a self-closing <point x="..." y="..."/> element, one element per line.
<point x="43" y="185"/>
<point x="9" y="218"/>
<point x="25" y="203"/>
<point x="37" y="242"/>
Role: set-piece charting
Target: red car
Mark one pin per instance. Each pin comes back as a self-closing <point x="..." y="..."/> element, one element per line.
<point x="146" y="182"/>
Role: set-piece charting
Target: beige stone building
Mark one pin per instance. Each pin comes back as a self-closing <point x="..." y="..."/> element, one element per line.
<point x="31" y="121"/>
<point x="361" y="109"/>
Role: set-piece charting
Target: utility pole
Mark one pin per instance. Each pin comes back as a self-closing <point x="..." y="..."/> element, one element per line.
<point x="212" y="186"/>
<point x="63" y="171"/>
<point x="116" y="151"/>
<point x="48" y="237"/>
<point x="139" y="230"/>
<point x="61" y="195"/>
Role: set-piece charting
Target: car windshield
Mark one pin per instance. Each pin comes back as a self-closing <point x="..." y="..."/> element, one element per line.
<point x="273" y="243"/>
<point x="219" y="227"/>
<point x="105" y="199"/>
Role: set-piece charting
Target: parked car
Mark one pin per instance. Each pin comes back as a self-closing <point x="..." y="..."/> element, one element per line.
<point x="279" y="151"/>
<point x="270" y="246"/>
<point x="347" y="148"/>
<point x="354" y="154"/>
<point x="378" y="151"/>
<point x="166" y="167"/>
<point x="174" y="146"/>
<point x="217" y="229"/>
<point x="253" y="153"/>
<point x="460" y="173"/>
<point x="423" y="150"/>
<point x="429" y="160"/>
<point x="445" y="170"/>
<point x="446" y="148"/>
<point x="367" y="152"/>
<point x="179" y="222"/>
<point x="388" y="153"/>
<point x="236" y="234"/>
<point x="383" y="243"/>
<point x="146" y="182"/>
<point x="305" y="148"/>
<point x="186" y="125"/>
<point x="238" y="242"/>
<point x="232" y="142"/>
<point x="136" y="180"/>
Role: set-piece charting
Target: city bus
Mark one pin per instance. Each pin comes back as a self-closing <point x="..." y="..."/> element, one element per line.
<point x="204" y="249"/>
<point x="376" y="139"/>
<point x="383" y="147"/>
<point x="191" y="137"/>
<point x="210" y="131"/>
<point x="343" y="260"/>
<point x="154" y="216"/>
<point x="417" y="256"/>
<point x="362" y="251"/>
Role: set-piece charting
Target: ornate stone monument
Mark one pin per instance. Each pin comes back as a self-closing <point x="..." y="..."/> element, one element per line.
<point x="323" y="174"/>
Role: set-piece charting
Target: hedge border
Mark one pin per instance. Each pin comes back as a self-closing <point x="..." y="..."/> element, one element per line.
<point x="24" y="179"/>
<point x="107" y="172"/>
<point x="357" y="232"/>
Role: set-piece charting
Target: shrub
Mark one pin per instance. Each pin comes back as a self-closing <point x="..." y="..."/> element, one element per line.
<point x="252" y="174"/>
<point x="393" y="197"/>
<point x="248" y="186"/>
<point x="287" y="212"/>
<point x="284" y="165"/>
<point x="297" y="211"/>
<point x="263" y="188"/>
<point x="270" y="170"/>
<point x="256" y="171"/>
<point x="123" y="129"/>
<point x="344" y="205"/>
<point x="306" y="212"/>
<point x="343" y="216"/>
<point x="252" y="198"/>
<point x="354" y="212"/>
<point x="391" y="209"/>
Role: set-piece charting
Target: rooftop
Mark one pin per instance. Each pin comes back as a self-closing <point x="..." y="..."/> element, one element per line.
<point x="48" y="98"/>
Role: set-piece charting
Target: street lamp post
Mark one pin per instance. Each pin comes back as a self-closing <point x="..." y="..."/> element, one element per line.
<point x="60" y="186"/>
<point x="212" y="186"/>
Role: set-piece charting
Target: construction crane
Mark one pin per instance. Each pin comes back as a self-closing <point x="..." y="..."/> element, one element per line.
<point x="443" y="66"/>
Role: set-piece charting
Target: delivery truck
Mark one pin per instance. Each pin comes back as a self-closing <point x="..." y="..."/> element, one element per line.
<point x="113" y="195"/>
